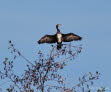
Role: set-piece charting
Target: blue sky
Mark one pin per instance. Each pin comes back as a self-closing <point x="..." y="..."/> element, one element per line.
<point x="26" y="21"/>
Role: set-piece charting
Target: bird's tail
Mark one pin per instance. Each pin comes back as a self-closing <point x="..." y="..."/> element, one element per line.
<point x="59" y="46"/>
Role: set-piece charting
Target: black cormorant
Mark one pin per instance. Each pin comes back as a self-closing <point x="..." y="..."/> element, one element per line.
<point x="59" y="38"/>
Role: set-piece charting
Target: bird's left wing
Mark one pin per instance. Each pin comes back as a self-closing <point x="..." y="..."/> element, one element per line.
<point x="70" y="37"/>
<point x="47" y="39"/>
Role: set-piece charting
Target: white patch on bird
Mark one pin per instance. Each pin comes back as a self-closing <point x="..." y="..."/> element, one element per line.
<point x="59" y="37"/>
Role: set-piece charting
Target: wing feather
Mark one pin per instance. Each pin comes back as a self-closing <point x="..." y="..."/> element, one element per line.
<point x="70" y="37"/>
<point x="47" y="39"/>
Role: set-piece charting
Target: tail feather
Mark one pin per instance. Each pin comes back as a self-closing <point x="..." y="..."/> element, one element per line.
<point x="59" y="46"/>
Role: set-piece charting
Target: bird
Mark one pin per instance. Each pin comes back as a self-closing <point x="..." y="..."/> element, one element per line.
<point x="59" y="37"/>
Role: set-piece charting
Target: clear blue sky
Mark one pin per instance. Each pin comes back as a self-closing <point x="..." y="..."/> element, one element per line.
<point x="26" y="21"/>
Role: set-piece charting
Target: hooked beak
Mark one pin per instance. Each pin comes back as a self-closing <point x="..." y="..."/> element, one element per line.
<point x="59" y="24"/>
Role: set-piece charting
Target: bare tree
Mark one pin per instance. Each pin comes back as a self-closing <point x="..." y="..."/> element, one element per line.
<point x="42" y="74"/>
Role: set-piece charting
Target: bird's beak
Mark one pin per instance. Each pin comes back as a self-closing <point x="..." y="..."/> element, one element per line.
<point x="59" y="24"/>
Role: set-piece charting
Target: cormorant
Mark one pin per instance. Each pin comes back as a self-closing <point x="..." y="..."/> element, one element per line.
<point x="59" y="38"/>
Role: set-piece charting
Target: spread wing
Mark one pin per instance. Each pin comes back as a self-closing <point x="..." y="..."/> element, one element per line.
<point x="47" y="39"/>
<point x="70" y="37"/>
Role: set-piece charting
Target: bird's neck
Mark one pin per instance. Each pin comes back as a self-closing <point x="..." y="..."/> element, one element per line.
<point x="57" y="29"/>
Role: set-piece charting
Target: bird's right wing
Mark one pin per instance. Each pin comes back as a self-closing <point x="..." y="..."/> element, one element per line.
<point x="47" y="39"/>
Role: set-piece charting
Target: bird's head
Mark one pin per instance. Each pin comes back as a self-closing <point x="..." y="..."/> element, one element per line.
<point x="58" y="25"/>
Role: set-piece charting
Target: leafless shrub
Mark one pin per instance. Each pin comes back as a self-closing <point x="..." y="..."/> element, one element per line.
<point x="42" y="71"/>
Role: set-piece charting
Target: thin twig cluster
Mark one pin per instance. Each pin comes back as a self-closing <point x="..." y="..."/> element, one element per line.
<point x="42" y="74"/>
